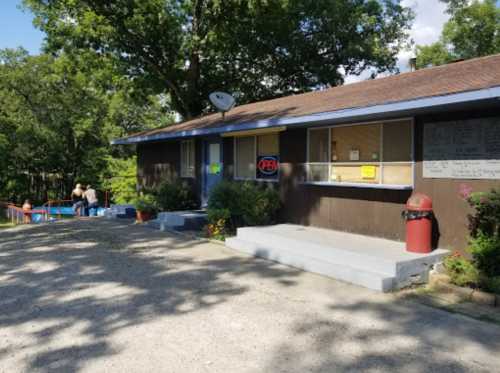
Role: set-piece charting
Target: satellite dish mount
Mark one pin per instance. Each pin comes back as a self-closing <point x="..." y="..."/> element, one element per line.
<point x="222" y="101"/>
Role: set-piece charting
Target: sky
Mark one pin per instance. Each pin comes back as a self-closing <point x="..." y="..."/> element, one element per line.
<point x="16" y="28"/>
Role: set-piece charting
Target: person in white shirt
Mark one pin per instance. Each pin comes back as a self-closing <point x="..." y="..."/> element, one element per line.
<point x="92" y="201"/>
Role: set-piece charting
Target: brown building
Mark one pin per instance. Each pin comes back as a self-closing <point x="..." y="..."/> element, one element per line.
<point x="348" y="158"/>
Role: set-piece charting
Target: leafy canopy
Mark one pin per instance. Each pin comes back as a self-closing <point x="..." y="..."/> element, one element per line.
<point x="257" y="49"/>
<point x="473" y="30"/>
<point x="57" y="116"/>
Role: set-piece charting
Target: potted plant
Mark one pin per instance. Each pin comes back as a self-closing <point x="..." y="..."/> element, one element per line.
<point x="145" y="207"/>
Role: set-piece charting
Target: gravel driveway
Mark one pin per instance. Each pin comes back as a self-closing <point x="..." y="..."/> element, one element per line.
<point x="109" y="296"/>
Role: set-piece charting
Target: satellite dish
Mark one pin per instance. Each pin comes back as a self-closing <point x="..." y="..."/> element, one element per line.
<point x="222" y="101"/>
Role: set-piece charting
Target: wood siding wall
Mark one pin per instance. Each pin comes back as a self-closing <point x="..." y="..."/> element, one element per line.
<point x="161" y="161"/>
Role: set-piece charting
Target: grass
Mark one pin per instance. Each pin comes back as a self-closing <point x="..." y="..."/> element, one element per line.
<point x="4" y="223"/>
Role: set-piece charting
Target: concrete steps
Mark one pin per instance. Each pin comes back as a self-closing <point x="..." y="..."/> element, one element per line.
<point x="375" y="263"/>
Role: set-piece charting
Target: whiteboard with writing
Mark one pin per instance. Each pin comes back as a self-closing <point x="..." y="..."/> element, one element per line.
<point x="463" y="149"/>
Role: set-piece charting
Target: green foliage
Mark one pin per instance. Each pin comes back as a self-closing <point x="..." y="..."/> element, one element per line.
<point x="485" y="252"/>
<point x="486" y="217"/>
<point x="248" y="204"/>
<point x="121" y="179"/>
<point x="186" y="49"/>
<point x="175" y="196"/>
<point x="484" y="225"/>
<point x="58" y="114"/>
<point x="217" y="223"/>
<point x="484" y="245"/>
<point x="492" y="284"/>
<point x="462" y="271"/>
<point x="227" y="196"/>
<point x="432" y="55"/>
<point x="146" y="203"/>
<point x="473" y="30"/>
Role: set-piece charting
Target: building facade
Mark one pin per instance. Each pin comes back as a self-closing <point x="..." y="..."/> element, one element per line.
<point x="353" y="167"/>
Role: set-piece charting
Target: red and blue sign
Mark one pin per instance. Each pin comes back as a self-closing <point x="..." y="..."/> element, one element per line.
<point x="268" y="166"/>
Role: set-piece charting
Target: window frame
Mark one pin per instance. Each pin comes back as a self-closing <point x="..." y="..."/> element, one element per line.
<point x="378" y="185"/>
<point x="185" y="167"/>
<point x="254" y="137"/>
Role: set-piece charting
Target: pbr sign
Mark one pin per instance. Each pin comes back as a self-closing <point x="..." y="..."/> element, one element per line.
<point x="268" y="166"/>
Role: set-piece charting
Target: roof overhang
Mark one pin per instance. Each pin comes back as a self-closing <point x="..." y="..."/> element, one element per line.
<point x="415" y="106"/>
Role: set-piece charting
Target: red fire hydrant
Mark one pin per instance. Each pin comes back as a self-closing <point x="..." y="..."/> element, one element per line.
<point x="418" y="216"/>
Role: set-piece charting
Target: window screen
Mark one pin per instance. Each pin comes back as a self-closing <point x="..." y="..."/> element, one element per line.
<point x="356" y="143"/>
<point x="397" y="141"/>
<point x="187" y="158"/>
<point x="245" y="157"/>
<point x="318" y="145"/>
<point x="268" y="144"/>
<point x="378" y="153"/>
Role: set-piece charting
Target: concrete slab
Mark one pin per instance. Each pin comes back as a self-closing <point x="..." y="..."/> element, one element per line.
<point x="120" y="211"/>
<point x="181" y="220"/>
<point x="376" y="263"/>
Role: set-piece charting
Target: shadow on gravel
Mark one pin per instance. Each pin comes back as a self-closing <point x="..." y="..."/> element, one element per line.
<point x="102" y="276"/>
<point x="407" y="337"/>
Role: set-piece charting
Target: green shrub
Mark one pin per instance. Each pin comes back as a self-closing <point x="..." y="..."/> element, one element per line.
<point x="226" y="196"/>
<point x="486" y="216"/>
<point x="175" y="196"/>
<point x="485" y="251"/>
<point x="261" y="204"/>
<point x="248" y="204"/>
<point x="492" y="284"/>
<point x="217" y="222"/>
<point x="146" y="203"/>
<point x="462" y="271"/>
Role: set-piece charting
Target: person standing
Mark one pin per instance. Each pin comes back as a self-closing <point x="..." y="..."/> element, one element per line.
<point x="77" y="197"/>
<point x="27" y="207"/>
<point x="92" y="201"/>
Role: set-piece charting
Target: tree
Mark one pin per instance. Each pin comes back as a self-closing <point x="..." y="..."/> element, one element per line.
<point x="57" y="117"/>
<point x="257" y="49"/>
<point x="121" y="179"/>
<point x="433" y="55"/>
<point x="473" y="30"/>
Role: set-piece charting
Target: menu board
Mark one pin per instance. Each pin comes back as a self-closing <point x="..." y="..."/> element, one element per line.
<point x="465" y="149"/>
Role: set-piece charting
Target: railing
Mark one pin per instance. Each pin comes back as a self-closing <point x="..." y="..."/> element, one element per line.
<point x="17" y="215"/>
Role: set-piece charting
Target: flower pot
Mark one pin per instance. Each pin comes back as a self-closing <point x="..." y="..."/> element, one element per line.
<point x="143" y="216"/>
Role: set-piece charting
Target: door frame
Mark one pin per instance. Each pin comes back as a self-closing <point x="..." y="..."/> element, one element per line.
<point x="205" y="142"/>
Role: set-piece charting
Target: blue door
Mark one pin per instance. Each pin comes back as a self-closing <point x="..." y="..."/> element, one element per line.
<point x="212" y="166"/>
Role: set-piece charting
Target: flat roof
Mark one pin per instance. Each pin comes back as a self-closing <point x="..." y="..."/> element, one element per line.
<point x="455" y="83"/>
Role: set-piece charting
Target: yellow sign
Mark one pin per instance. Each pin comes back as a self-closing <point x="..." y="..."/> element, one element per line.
<point x="368" y="172"/>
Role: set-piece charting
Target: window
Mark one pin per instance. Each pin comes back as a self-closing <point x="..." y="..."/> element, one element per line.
<point x="378" y="153"/>
<point x="245" y="157"/>
<point x="187" y="158"/>
<point x="318" y="154"/>
<point x="257" y="157"/>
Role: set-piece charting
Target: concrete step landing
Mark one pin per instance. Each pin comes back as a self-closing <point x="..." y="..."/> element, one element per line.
<point x="371" y="262"/>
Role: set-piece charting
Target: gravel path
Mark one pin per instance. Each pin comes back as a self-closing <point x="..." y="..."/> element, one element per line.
<point x="108" y="296"/>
